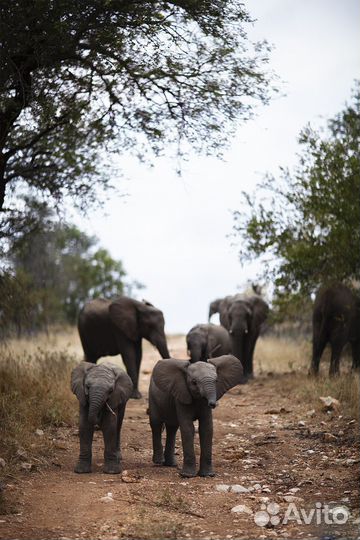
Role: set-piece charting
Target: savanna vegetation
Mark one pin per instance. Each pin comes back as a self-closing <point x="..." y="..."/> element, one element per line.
<point x="50" y="268"/>
<point x="303" y="224"/>
<point x="81" y="81"/>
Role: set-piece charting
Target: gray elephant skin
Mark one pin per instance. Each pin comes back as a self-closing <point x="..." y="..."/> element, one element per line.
<point x="336" y="320"/>
<point x="207" y="341"/>
<point x="102" y="391"/>
<point x="111" y="327"/>
<point x="181" y="392"/>
<point x="243" y="317"/>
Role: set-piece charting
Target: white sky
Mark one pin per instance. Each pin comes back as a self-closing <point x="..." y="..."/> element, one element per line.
<point x="171" y="232"/>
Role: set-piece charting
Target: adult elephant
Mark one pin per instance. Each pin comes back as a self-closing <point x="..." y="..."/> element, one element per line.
<point x="336" y="320"/>
<point x="111" y="327"/>
<point x="207" y="341"/>
<point x="243" y="317"/>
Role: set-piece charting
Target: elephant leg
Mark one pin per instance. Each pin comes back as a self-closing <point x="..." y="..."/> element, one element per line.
<point x="336" y="348"/>
<point x="206" y="437"/>
<point x="158" y="451"/>
<point x="249" y="355"/>
<point x="355" y="349"/>
<point x="129" y="356"/>
<point x="138" y="357"/>
<point x="109" y="426"/>
<point x="187" y="439"/>
<point x="169" y="455"/>
<point x="318" y="348"/>
<point x="86" y="433"/>
<point x="120" y="417"/>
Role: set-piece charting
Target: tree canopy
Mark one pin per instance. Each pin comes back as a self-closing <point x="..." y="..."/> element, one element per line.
<point x="52" y="269"/>
<point x="79" y="79"/>
<point x="304" y="225"/>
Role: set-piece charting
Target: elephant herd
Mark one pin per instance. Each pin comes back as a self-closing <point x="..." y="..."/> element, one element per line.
<point x="221" y="357"/>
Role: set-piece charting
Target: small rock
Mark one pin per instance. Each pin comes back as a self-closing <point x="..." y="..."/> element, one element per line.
<point x="311" y="413"/>
<point x="350" y="461"/>
<point x="266" y="490"/>
<point x="107" y="498"/>
<point x="2" y="463"/>
<point x="241" y="508"/>
<point x="39" y="432"/>
<point x="257" y="487"/>
<point x="222" y="487"/>
<point x="341" y="433"/>
<point x="130" y="478"/>
<point x="351" y="422"/>
<point x="301" y="423"/>
<point x="294" y="490"/>
<point x="25" y="466"/>
<point x="310" y="451"/>
<point x="329" y="437"/>
<point x="292" y="499"/>
<point x="237" y="488"/>
<point x="330" y="403"/>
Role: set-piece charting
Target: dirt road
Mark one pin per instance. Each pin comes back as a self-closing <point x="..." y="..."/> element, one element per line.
<point x="287" y="460"/>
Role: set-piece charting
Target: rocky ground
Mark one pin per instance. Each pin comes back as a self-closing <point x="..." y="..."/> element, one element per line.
<point x="283" y="469"/>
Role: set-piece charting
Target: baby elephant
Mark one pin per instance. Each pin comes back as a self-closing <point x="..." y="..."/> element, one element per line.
<point x="181" y="392"/>
<point x="207" y="341"/>
<point x="102" y="391"/>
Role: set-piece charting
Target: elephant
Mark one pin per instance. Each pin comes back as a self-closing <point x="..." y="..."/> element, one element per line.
<point x="181" y="392"/>
<point x="243" y="317"/>
<point x="111" y="327"/>
<point x="217" y="306"/>
<point x="214" y="307"/>
<point x="336" y="320"/>
<point x="102" y="391"/>
<point x="207" y="341"/>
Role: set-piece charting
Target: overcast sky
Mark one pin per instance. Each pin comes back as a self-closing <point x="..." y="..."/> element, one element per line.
<point x="171" y="232"/>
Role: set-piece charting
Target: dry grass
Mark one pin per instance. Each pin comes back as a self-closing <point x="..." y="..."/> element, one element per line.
<point x="281" y="355"/>
<point x="34" y="394"/>
<point x="278" y="356"/>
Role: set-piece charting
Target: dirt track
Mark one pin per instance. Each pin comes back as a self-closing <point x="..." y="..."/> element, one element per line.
<point x="259" y="444"/>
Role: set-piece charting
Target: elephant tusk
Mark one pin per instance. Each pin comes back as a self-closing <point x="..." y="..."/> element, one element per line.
<point x="110" y="409"/>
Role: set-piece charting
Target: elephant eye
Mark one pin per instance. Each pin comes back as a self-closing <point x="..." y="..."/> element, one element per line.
<point x="194" y="381"/>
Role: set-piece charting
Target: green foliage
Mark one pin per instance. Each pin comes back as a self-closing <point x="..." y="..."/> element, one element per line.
<point x="81" y="78"/>
<point x="52" y="269"/>
<point x="304" y="225"/>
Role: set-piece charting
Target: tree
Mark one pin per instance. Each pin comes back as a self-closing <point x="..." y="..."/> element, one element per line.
<point x="53" y="268"/>
<point x="304" y="225"/>
<point x="81" y="78"/>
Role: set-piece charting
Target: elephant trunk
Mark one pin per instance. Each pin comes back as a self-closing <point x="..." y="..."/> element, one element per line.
<point x="161" y="345"/>
<point x="238" y="345"/>
<point x="208" y="391"/>
<point x="97" y="400"/>
<point x="197" y="352"/>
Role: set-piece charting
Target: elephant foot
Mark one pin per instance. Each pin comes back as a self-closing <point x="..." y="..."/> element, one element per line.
<point x="187" y="472"/>
<point x="112" y="467"/>
<point x="158" y="460"/>
<point x="206" y="473"/>
<point x="82" y="467"/>
<point x="170" y="462"/>
<point x="136" y="394"/>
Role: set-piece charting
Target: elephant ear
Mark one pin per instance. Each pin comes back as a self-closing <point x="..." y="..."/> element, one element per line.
<point x="229" y="373"/>
<point x="170" y="377"/>
<point x="78" y="380"/>
<point x="123" y="314"/>
<point x="260" y="310"/>
<point x="122" y="389"/>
